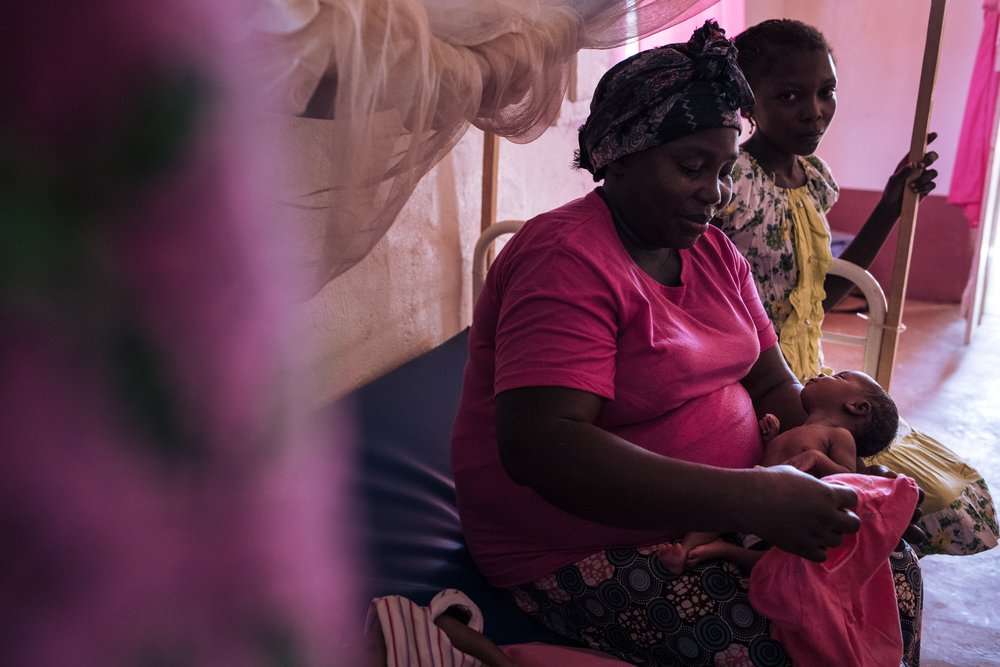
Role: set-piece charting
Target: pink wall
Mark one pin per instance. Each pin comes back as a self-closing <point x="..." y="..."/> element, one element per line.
<point x="730" y="14"/>
<point x="942" y="245"/>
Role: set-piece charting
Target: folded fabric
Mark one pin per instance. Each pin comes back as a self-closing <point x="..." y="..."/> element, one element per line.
<point x="959" y="517"/>
<point x="413" y="638"/>
<point x="841" y="611"/>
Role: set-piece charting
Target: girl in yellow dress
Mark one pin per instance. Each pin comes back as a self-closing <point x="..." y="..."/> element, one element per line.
<point x="777" y="219"/>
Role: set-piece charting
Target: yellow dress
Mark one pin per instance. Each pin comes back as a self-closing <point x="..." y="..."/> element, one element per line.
<point x="800" y="333"/>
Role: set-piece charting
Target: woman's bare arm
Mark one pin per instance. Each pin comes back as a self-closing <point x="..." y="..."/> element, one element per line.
<point x="774" y="389"/>
<point x="548" y="441"/>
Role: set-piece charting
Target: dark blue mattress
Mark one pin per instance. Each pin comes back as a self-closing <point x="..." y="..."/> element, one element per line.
<point x="406" y="497"/>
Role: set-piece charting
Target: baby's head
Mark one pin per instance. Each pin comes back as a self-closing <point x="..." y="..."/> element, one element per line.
<point x="861" y="405"/>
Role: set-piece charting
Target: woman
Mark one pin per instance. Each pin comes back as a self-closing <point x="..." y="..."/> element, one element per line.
<point x="619" y="359"/>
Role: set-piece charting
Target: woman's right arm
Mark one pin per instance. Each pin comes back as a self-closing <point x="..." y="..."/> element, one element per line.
<point x="548" y="441"/>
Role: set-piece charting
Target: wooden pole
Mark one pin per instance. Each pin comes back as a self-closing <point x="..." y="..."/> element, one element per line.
<point x="491" y="160"/>
<point x="908" y="215"/>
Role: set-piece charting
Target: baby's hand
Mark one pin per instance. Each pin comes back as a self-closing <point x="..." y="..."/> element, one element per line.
<point x="769" y="427"/>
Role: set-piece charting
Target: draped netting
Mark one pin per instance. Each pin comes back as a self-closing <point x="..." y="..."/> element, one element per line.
<point x="373" y="93"/>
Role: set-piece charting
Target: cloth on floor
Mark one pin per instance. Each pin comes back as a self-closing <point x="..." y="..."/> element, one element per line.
<point x="959" y="517"/>
<point x="841" y="611"/>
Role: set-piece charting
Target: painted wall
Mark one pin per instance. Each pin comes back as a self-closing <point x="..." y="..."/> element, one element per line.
<point x="879" y="48"/>
<point x="413" y="291"/>
<point x="942" y="246"/>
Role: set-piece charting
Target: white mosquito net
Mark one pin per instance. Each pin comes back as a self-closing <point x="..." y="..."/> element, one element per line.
<point x="375" y="92"/>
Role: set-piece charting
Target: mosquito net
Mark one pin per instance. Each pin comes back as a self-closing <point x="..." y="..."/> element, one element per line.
<point x="373" y="93"/>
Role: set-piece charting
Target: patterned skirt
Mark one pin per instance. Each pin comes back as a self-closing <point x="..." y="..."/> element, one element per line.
<point x="625" y="603"/>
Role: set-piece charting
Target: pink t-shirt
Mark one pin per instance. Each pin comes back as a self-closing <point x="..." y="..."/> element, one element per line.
<point x="565" y="305"/>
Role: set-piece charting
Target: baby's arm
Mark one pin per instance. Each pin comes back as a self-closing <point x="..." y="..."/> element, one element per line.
<point x="839" y="457"/>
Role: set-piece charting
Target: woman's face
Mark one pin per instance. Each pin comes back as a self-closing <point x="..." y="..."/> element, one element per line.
<point x="668" y="194"/>
<point x="796" y="100"/>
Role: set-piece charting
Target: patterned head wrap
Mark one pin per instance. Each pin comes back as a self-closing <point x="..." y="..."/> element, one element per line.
<point x="663" y="94"/>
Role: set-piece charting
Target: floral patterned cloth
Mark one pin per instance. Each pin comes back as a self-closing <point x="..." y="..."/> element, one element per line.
<point x="626" y="603"/>
<point x="784" y="235"/>
<point x="958" y="513"/>
<point x="966" y="526"/>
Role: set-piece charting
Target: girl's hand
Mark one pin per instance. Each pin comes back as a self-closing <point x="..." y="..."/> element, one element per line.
<point x="892" y="197"/>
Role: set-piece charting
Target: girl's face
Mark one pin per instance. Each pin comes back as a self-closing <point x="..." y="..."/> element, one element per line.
<point x="796" y="100"/>
<point x="668" y="194"/>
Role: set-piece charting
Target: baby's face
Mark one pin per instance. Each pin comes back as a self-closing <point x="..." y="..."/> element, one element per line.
<point x="835" y="389"/>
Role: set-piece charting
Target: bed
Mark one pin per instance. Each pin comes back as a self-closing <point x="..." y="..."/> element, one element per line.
<point x="406" y="497"/>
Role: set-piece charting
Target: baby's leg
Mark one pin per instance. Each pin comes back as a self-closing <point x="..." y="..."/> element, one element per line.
<point x="742" y="557"/>
<point x="675" y="556"/>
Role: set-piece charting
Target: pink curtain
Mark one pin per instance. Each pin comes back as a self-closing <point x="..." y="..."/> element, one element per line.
<point x="972" y="158"/>
<point x="730" y="14"/>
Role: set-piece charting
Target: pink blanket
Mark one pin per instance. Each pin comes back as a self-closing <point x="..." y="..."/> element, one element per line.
<point x="842" y="611"/>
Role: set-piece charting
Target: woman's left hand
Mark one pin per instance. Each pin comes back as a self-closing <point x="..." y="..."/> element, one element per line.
<point x="892" y="197"/>
<point x="913" y="534"/>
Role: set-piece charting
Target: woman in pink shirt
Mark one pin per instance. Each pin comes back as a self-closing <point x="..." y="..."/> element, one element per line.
<point x="618" y="359"/>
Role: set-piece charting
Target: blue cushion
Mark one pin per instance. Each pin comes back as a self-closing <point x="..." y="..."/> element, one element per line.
<point x="406" y="496"/>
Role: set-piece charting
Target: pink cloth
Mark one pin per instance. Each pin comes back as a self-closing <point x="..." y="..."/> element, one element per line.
<point x="972" y="156"/>
<point x="842" y="611"/>
<point x="565" y="305"/>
